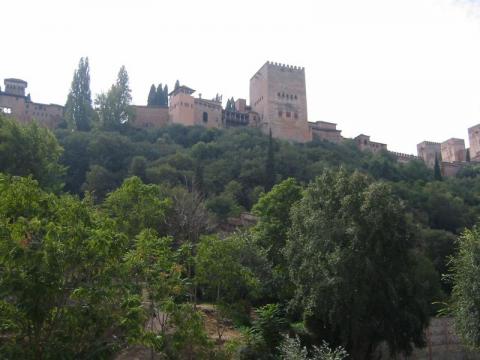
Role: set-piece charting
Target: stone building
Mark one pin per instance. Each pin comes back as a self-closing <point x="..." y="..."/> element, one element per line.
<point x="278" y="94"/>
<point x="364" y="143"/>
<point x="453" y="150"/>
<point x="322" y="130"/>
<point x="14" y="103"/>
<point x="474" y="139"/>
<point x="150" y="116"/>
<point x="427" y="151"/>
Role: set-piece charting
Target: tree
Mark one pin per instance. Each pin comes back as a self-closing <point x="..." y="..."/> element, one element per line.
<point x="160" y="98"/>
<point x="177" y="85"/>
<point x="270" y="165"/>
<point x="114" y="106"/>
<point x="152" y="96"/>
<point x="350" y="239"/>
<point x="31" y="150"/>
<point x="78" y="109"/>
<point x="465" y="275"/>
<point x="437" y="173"/>
<point x="62" y="284"/>
<point x="165" y="94"/>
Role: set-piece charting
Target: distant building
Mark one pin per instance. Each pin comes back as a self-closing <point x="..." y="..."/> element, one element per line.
<point x="322" y="130"/>
<point x="14" y="103"/>
<point x="474" y="139"/>
<point x="364" y="143"/>
<point x="453" y="150"/>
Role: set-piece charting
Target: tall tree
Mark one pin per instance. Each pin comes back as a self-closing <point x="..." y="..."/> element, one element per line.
<point x="270" y="164"/>
<point x="159" y="98"/>
<point x="78" y="109"/>
<point x="350" y="252"/>
<point x="437" y="173"/>
<point x="177" y="85"/>
<point x="151" y="96"/>
<point x="114" y="106"/>
<point x="165" y="94"/>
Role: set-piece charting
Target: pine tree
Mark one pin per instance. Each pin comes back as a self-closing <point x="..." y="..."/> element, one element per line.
<point x="78" y="109"/>
<point x="151" y="96"/>
<point x="177" y="84"/>
<point x="159" y="95"/>
<point x="270" y="165"/>
<point x="437" y="174"/>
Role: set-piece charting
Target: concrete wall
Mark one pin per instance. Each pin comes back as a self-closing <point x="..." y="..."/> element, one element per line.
<point x="150" y="116"/>
<point x="278" y="95"/>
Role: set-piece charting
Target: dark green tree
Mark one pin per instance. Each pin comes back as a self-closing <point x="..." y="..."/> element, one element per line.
<point x="350" y="239"/>
<point x="467" y="155"/>
<point x="159" y="97"/>
<point x="270" y="175"/>
<point x="165" y="94"/>
<point x="151" y="96"/>
<point x="437" y="173"/>
<point x="78" y="109"/>
<point x="177" y="84"/>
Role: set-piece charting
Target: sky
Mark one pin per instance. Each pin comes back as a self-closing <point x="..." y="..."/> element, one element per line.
<point x="401" y="71"/>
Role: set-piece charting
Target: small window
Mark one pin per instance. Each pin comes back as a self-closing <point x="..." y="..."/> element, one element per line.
<point x="295" y="115"/>
<point x="205" y="117"/>
<point x="280" y="113"/>
<point x="289" y="114"/>
<point x="279" y="94"/>
<point x="295" y="97"/>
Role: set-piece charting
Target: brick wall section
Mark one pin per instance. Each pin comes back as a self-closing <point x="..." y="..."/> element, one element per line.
<point x="150" y="116"/>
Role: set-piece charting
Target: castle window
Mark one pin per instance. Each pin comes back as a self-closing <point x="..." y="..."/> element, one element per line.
<point x="295" y="115"/>
<point x="295" y="97"/>
<point x="279" y="94"/>
<point x="289" y="114"/>
<point x="280" y="113"/>
<point x="205" y="117"/>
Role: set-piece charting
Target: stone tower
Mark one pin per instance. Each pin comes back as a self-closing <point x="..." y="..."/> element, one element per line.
<point x="278" y="94"/>
<point x="15" y="87"/>
<point x="474" y="138"/>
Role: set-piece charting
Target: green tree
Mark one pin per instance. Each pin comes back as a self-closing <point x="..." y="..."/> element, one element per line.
<point x="177" y="85"/>
<point x="437" y="173"/>
<point x="270" y="165"/>
<point x="30" y="150"/>
<point x="165" y="94"/>
<point x="78" y="109"/>
<point x="350" y="239"/>
<point x="62" y="284"/>
<point x="152" y="96"/>
<point x="114" y="106"/>
<point x="160" y="96"/>
<point x="465" y="275"/>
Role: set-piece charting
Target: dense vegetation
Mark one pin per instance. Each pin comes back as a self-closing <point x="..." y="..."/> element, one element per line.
<point x="111" y="237"/>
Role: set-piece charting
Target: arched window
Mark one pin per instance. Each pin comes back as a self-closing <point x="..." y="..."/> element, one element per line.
<point x="205" y="117"/>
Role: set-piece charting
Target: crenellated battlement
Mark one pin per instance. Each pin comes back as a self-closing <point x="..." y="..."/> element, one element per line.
<point x="285" y="66"/>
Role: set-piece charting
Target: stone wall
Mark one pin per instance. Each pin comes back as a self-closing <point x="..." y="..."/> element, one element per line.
<point x="474" y="139"/>
<point x="427" y="150"/>
<point x="150" y="116"/>
<point x="453" y="150"/>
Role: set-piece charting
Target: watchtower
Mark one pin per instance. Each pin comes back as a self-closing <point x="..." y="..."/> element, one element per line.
<point x="15" y="87"/>
<point x="278" y="94"/>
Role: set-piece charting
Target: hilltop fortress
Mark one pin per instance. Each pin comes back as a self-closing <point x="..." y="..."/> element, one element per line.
<point x="277" y="103"/>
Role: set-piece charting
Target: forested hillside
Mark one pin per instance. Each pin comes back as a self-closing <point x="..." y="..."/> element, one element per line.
<point x="110" y="239"/>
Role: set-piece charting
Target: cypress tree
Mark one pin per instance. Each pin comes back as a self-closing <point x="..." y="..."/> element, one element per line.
<point x="177" y="84"/>
<point x="270" y="165"/>
<point x="165" y="94"/>
<point x="467" y="155"/>
<point x="437" y="174"/>
<point x="78" y="109"/>
<point x="151" y="96"/>
<point x="159" y="95"/>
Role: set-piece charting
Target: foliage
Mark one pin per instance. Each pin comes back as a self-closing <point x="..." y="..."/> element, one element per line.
<point x="291" y="349"/>
<point x="61" y="280"/>
<point x="78" y="109"/>
<point x="350" y="239"/>
<point x="30" y="150"/>
<point x="465" y="275"/>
